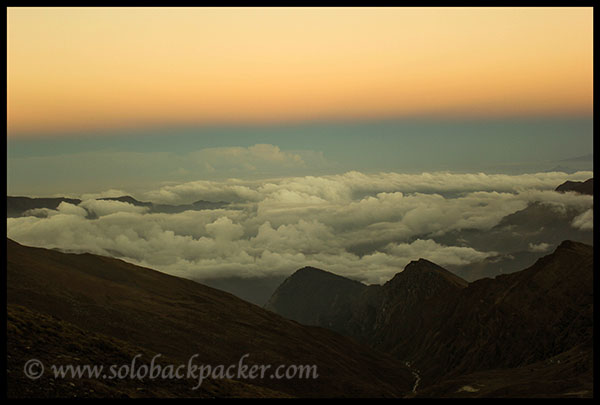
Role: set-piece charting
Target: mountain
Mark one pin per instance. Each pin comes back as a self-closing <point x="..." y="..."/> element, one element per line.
<point x="516" y="241"/>
<point x="168" y="208"/>
<point x="129" y="200"/>
<point x="315" y="297"/>
<point x="582" y="187"/>
<point x="18" y="206"/>
<point x="561" y="168"/>
<point x="34" y="335"/>
<point x="257" y="290"/>
<point x="514" y="319"/>
<point x="567" y="375"/>
<point x="583" y="158"/>
<point x="99" y="309"/>
<point x="367" y="313"/>
<point x="540" y="228"/>
<point x="196" y="206"/>
<point x="447" y="328"/>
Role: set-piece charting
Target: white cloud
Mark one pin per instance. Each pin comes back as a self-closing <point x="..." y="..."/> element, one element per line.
<point x="540" y="247"/>
<point x="439" y="254"/>
<point x="223" y="229"/>
<point x="107" y="207"/>
<point x="584" y="221"/>
<point x="71" y="209"/>
<point x="252" y="158"/>
<point x="279" y="225"/>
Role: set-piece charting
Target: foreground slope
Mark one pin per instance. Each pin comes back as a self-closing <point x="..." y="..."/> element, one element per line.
<point x="33" y="335"/>
<point x="179" y="318"/>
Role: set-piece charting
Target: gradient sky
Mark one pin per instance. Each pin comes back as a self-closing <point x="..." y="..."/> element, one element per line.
<point x="125" y="98"/>
<point x="81" y="69"/>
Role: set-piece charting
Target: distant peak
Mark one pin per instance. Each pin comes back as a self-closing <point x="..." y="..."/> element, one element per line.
<point x="309" y="272"/>
<point x="565" y="244"/>
<point x="126" y="199"/>
<point x="309" y="269"/>
<point x="582" y="187"/>
<point x="418" y="268"/>
<point x="569" y="245"/>
<point x="423" y="264"/>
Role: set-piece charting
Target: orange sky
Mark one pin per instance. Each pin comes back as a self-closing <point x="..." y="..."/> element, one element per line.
<point x="88" y="68"/>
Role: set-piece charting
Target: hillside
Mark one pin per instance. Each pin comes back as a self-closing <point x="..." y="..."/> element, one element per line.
<point x="315" y="297"/>
<point x="178" y="318"/>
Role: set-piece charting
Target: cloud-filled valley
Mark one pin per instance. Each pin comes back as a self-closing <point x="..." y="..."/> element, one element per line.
<point x="363" y="226"/>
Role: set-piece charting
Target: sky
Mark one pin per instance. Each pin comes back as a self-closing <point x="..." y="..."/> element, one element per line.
<point x="80" y="69"/>
<point x="137" y="97"/>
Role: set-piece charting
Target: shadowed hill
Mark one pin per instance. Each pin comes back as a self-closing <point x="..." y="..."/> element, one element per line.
<point x="315" y="297"/>
<point x="33" y="335"/>
<point x="447" y="328"/>
<point x="179" y="318"/>
<point x="515" y="319"/>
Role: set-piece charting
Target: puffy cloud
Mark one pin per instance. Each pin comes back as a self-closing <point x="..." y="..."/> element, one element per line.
<point x="71" y="209"/>
<point x="134" y="170"/>
<point x="540" y="247"/>
<point x="584" y="221"/>
<point x="276" y="226"/>
<point x="231" y="190"/>
<point x="224" y="229"/>
<point x="437" y="253"/>
<point x="259" y="156"/>
<point x="107" y="207"/>
<point x="355" y="185"/>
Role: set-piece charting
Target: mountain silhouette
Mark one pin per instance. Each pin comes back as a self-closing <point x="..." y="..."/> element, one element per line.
<point x="448" y="328"/>
<point x="581" y="187"/>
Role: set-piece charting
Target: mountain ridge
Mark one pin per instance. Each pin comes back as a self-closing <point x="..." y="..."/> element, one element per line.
<point x="447" y="327"/>
<point x="18" y="206"/>
<point x="581" y="187"/>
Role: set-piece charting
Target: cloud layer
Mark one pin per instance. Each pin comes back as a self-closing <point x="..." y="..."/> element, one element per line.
<point x="274" y="227"/>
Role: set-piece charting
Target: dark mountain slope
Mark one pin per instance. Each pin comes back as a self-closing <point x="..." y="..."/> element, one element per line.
<point x="129" y="200"/>
<point x="179" y="318"/>
<point x="409" y="306"/>
<point x="567" y="375"/>
<point x="447" y="328"/>
<point x="315" y="297"/>
<point x="33" y="335"/>
<point x="257" y="290"/>
<point x="582" y="187"/>
<point x="515" y="319"/>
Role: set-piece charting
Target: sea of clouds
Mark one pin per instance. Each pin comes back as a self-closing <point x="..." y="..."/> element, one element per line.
<point x="275" y="226"/>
